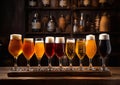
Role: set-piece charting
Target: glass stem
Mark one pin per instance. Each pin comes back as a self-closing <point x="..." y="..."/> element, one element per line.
<point x="39" y="65"/>
<point x="90" y="64"/>
<point x="15" y="63"/>
<point x="103" y="64"/>
<point x="28" y="65"/>
<point x="60" y="63"/>
<point x="70" y="63"/>
<point x="49" y="63"/>
<point x="80" y="64"/>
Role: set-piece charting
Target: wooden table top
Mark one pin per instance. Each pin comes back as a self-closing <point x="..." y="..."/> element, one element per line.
<point x="112" y="80"/>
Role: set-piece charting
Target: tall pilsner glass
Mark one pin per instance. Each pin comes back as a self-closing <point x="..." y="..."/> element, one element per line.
<point x="28" y="50"/>
<point x="49" y="50"/>
<point x="39" y="50"/>
<point x="80" y="50"/>
<point x="59" y="49"/>
<point x="91" y="49"/>
<point x="70" y="50"/>
<point x="15" y="47"/>
<point x="104" y="49"/>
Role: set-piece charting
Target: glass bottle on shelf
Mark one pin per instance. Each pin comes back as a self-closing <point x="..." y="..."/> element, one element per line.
<point x="87" y="23"/>
<point x="63" y="3"/>
<point x="32" y="3"/>
<point x="74" y="3"/>
<point x="104" y="23"/>
<point x="51" y="25"/>
<point x="61" y="23"/>
<point x="54" y="3"/>
<point x="80" y="3"/>
<point x="86" y="3"/>
<point x="82" y="23"/>
<point x="36" y="25"/>
<point x="75" y="26"/>
<point x="94" y="3"/>
<point x="46" y="3"/>
<point x="97" y="23"/>
<point x="103" y="3"/>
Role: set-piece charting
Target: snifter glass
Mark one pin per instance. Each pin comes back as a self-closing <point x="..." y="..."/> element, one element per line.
<point x="59" y="49"/>
<point x="28" y="50"/>
<point x="104" y="49"/>
<point x="49" y="49"/>
<point x="15" y="47"/>
<point x="91" y="49"/>
<point x="70" y="50"/>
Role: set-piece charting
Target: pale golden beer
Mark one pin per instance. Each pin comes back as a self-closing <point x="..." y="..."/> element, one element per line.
<point x="15" y="45"/>
<point x="28" y="48"/>
<point x="39" y="49"/>
<point x="80" y="48"/>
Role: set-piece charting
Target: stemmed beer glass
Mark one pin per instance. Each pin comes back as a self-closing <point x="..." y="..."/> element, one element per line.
<point x="70" y="50"/>
<point x="80" y="50"/>
<point x="28" y="50"/>
<point x="59" y="49"/>
<point x="104" y="49"/>
<point x="49" y="50"/>
<point x="15" y="47"/>
<point x="91" y="49"/>
<point x="39" y="50"/>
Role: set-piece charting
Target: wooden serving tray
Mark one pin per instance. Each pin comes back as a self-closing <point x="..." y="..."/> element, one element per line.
<point x="85" y="73"/>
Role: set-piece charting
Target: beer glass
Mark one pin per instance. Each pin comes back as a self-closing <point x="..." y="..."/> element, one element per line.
<point x="91" y="49"/>
<point x="59" y="49"/>
<point x="15" y="47"/>
<point x="70" y="50"/>
<point x="49" y="50"/>
<point x="28" y="50"/>
<point x="39" y="50"/>
<point x="80" y="50"/>
<point x="104" y="49"/>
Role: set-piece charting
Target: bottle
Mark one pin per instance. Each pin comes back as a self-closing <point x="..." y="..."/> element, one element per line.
<point x="87" y="23"/>
<point x="80" y="3"/>
<point x="75" y="26"/>
<point x="97" y="23"/>
<point x="104" y="23"/>
<point x="51" y="25"/>
<point x="103" y="3"/>
<point x="32" y="3"/>
<point x="82" y="23"/>
<point x="46" y="3"/>
<point x="86" y="3"/>
<point x="54" y="3"/>
<point x="63" y="3"/>
<point x="74" y="3"/>
<point x="36" y="25"/>
<point x="95" y="3"/>
<point x="61" y="23"/>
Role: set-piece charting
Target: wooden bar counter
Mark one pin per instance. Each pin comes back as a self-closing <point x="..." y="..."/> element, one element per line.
<point x="60" y="80"/>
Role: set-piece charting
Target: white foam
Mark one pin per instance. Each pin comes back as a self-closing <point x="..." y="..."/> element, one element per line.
<point x="71" y="40"/>
<point x="29" y="39"/>
<point x="59" y="40"/>
<point x="16" y="36"/>
<point x="90" y="37"/>
<point x="104" y="36"/>
<point x="49" y="39"/>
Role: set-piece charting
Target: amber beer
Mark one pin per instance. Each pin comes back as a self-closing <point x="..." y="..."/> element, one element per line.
<point x="39" y="48"/>
<point x="15" y="45"/>
<point x="91" y="49"/>
<point x="28" y="48"/>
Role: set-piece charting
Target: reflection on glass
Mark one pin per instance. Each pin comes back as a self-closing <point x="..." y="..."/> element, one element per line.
<point x="91" y="49"/>
<point x="80" y="50"/>
<point x="28" y="50"/>
<point x="104" y="49"/>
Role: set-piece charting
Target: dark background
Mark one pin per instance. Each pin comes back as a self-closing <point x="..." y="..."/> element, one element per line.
<point x="12" y="20"/>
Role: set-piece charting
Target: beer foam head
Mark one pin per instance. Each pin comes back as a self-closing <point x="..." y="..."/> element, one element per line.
<point x="49" y="39"/>
<point x="39" y="40"/>
<point x="104" y="36"/>
<point x="16" y="36"/>
<point x="70" y="40"/>
<point x="29" y="39"/>
<point x="90" y="37"/>
<point x="59" y="40"/>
